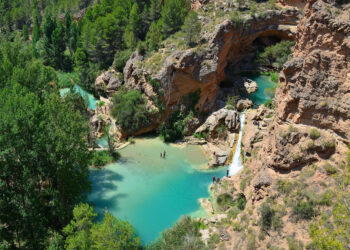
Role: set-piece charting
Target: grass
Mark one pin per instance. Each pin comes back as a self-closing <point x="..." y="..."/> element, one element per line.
<point x="330" y="170"/>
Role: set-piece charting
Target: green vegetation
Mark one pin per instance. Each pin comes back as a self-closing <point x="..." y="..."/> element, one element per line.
<point x="102" y="158"/>
<point x="120" y="59"/>
<point x="129" y="109"/>
<point x="191" y="28"/>
<point x="275" y="56"/>
<point x="314" y="134"/>
<point x="183" y="235"/>
<point x="303" y="210"/>
<point x="271" y="216"/>
<point x="173" y="129"/>
<point x="111" y="233"/>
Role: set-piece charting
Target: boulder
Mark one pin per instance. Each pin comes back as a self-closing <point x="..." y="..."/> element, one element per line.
<point x="244" y="104"/>
<point x="229" y="118"/>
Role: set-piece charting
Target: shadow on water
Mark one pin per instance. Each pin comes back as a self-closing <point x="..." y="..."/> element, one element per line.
<point x="104" y="182"/>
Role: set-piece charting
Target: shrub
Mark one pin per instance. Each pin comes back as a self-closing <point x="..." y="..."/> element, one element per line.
<point x="311" y="145"/>
<point x="275" y="56"/>
<point x="303" y="210"/>
<point x="269" y="104"/>
<point x="284" y="186"/>
<point x="314" y="134"/>
<point x="329" y="168"/>
<point x="231" y="101"/>
<point x="183" y="235"/>
<point x="266" y="215"/>
<point x="224" y="200"/>
<point x="102" y="158"/>
<point x="241" y="201"/>
<point x="294" y="244"/>
<point x="129" y="109"/>
<point x="120" y="59"/>
<point x="274" y="77"/>
<point x="329" y="144"/>
<point x="173" y="129"/>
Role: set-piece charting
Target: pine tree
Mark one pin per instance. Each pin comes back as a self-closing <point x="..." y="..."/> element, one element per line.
<point x="173" y="15"/>
<point x="154" y="37"/>
<point x="191" y="28"/>
<point x="25" y="33"/>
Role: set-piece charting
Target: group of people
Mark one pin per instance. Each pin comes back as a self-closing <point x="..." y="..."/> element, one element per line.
<point x="217" y="180"/>
<point x="163" y="155"/>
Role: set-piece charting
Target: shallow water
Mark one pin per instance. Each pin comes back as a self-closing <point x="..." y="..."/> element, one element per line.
<point x="151" y="192"/>
<point x="83" y="93"/>
<point x="265" y="86"/>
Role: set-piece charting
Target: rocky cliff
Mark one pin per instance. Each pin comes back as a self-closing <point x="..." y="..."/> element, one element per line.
<point x="296" y="157"/>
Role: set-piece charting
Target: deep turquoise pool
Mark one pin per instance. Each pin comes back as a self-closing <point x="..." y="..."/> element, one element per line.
<point x="265" y="89"/>
<point x="151" y="192"/>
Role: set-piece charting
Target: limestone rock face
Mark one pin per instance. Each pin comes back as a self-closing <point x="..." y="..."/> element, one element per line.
<point x="183" y="72"/>
<point x="109" y="81"/>
<point x="229" y="118"/>
<point x="314" y="92"/>
<point x="244" y="104"/>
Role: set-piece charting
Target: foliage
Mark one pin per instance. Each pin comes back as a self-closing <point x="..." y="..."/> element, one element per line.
<point x="191" y="28"/>
<point x="276" y="55"/>
<point x="183" y="235"/>
<point x="172" y="129"/>
<point x="102" y="158"/>
<point x="111" y="233"/>
<point x="269" y="104"/>
<point x="44" y="162"/>
<point x="271" y="216"/>
<point x="173" y="15"/>
<point x="129" y="109"/>
<point x="231" y="101"/>
<point x="314" y="134"/>
<point x="194" y="98"/>
<point x="303" y="210"/>
<point x="224" y="200"/>
<point x="120" y="59"/>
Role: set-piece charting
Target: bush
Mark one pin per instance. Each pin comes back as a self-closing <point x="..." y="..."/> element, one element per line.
<point x="314" y="134"/>
<point x="303" y="210"/>
<point x="275" y="56"/>
<point x="224" y="200"/>
<point x="129" y="109"/>
<point x="120" y="59"/>
<point x="241" y="201"/>
<point x="266" y="216"/>
<point x="183" y="235"/>
<point x="329" y="168"/>
<point x="173" y="129"/>
<point x="269" y="104"/>
<point x="102" y="158"/>
<point x="284" y="186"/>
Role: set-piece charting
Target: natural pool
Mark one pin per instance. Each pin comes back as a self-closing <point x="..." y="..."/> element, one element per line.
<point x="151" y="192"/>
<point x="83" y="93"/>
<point x="265" y="89"/>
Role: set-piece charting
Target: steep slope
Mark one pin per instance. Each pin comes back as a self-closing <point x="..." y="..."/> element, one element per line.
<point x="296" y="169"/>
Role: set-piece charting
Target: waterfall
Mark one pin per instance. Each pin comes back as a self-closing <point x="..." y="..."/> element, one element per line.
<point x="236" y="164"/>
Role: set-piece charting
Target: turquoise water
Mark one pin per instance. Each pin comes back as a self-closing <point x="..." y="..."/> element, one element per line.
<point x="265" y="86"/>
<point x="151" y="192"/>
<point x="83" y="93"/>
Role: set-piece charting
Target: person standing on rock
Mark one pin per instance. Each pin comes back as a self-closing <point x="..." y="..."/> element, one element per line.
<point x="214" y="179"/>
<point x="227" y="171"/>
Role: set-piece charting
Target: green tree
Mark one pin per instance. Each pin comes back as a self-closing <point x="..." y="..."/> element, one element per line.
<point x="129" y="109"/>
<point x="78" y="230"/>
<point x="44" y="165"/>
<point x="112" y="233"/>
<point x="192" y="28"/>
<point x="173" y="14"/>
<point x="25" y="33"/>
<point x="153" y="37"/>
<point x="154" y="10"/>
<point x="135" y="20"/>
